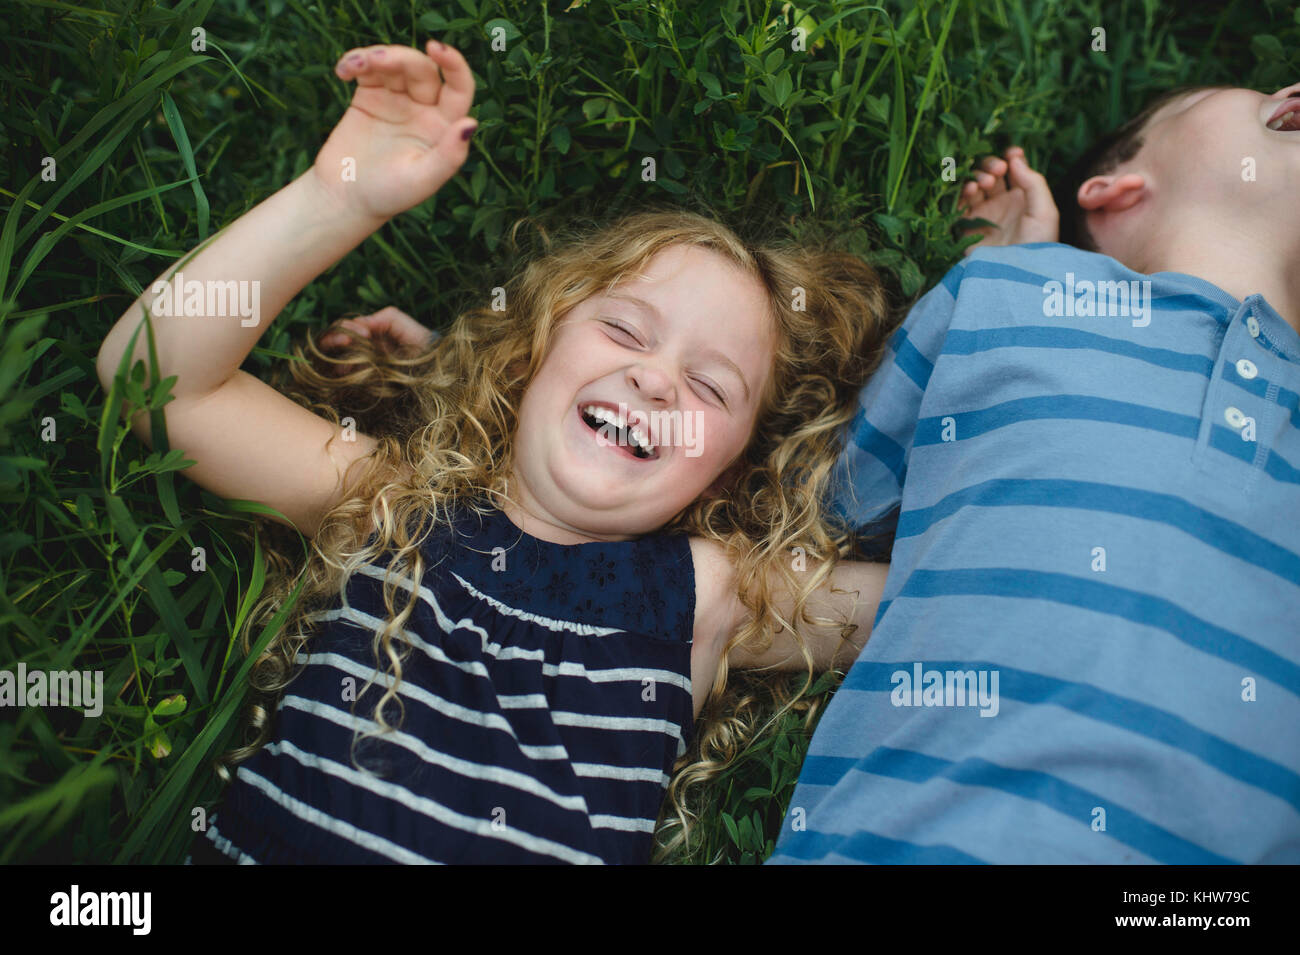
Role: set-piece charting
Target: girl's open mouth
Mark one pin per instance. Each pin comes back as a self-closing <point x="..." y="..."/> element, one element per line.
<point x="604" y="423"/>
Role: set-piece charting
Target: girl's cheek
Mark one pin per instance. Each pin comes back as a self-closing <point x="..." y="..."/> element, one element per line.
<point x="701" y="437"/>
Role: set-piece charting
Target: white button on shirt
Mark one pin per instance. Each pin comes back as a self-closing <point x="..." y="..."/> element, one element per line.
<point x="1234" y="416"/>
<point x="1246" y="368"/>
<point x="1252" y="326"/>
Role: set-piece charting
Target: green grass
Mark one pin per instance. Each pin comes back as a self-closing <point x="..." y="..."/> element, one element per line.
<point x="156" y="145"/>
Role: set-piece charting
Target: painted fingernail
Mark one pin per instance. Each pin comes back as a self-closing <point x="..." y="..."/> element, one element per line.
<point x="379" y="52"/>
<point x="356" y="59"/>
<point x="465" y="134"/>
<point x="438" y="46"/>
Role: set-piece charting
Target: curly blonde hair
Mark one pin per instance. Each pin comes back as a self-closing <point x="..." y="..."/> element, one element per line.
<point x="444" y="421"/>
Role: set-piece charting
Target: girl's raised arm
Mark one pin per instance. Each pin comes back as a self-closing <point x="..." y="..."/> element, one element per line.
<point x="403" y="136"/>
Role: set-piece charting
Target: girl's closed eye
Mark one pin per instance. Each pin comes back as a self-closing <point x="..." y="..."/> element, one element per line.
<point x="618" y="326"/>
<point x="716" y="393"/>
<point x="629" y="335"/>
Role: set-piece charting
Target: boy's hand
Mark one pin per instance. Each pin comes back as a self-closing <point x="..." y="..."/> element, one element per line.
<point x="406" y="131"/>
<point x="1022" y="212"/>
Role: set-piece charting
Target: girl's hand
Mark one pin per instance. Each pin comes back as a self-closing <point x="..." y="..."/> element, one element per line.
<point x="406" y="131"/>
<point x="389" y="328"/>
<point x="1022" y="212"/>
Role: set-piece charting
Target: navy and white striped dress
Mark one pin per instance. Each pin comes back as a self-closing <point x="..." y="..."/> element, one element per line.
<point x="547" y="697"/>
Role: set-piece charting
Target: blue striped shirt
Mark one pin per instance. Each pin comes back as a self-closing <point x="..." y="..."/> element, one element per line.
<point x="1088" y="647"/>
<point x="546" y="699"/>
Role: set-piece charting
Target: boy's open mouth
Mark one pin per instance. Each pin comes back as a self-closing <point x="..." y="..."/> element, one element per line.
<point x="633" y="440"/>
<point x="1286" y="118"/>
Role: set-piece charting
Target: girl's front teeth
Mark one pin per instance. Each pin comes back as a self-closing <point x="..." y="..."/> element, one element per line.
<point x="610" y="417"/>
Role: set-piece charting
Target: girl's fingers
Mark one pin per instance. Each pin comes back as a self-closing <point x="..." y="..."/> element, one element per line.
<point x="403" y="327"/>
<point x="399" y="69"/>
<point x="386" y="321"/>
<point x="422" y="82"/>
<point x="458" y="82"/>
<point x="350" y="63"/>
<point x="404" y="70"/>
<point x="390" y="313"/>
<point x="335" y="337"/>
<point x="389" y="323"/>
<point x="439" y="164"/>
<point x="365" y="65"/>
<point x="382" y="68"/>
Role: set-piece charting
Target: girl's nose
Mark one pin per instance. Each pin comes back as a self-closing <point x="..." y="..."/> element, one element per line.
<point x="651" y="382"/>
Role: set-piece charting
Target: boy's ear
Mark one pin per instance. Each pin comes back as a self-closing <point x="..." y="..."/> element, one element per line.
<point x="1112" y="193"/>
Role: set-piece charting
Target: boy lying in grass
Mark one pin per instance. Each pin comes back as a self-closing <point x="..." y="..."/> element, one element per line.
<point x="1088" y="646"/>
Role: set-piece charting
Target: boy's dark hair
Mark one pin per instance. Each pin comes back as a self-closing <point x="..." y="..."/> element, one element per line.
<point x="1117" y="146"/>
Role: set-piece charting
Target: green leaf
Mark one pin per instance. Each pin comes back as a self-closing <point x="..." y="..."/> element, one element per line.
<point x="895" y="231"/>
<point x="60" y="800"/>
<point x="747" y="834"/>
<point x="14" y="541"/>
<point x="26" y="464"/>
<point x="177" y="125"/>
<point x="561" y="139"/>
<point x="783" y="88"/>
<point x="478" y="181"/>
<point x="485" y="217"/>
<point x="159" y="743"/>
<point x="511" y="31"/>
<point x="159" y="595"/>
<point x="167" y="491"/>
<point x="1267" y="47"/>
<point x="171" y="706"/>
<point x="910" y="278"/>
<point x="164" y="800"/>
<point x="812" y="197"/>
<point x="732" y="831"/>
<point x="878" y="108"/>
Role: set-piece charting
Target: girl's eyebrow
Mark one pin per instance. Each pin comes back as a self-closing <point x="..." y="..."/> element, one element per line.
<point x="705" y="352"/>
